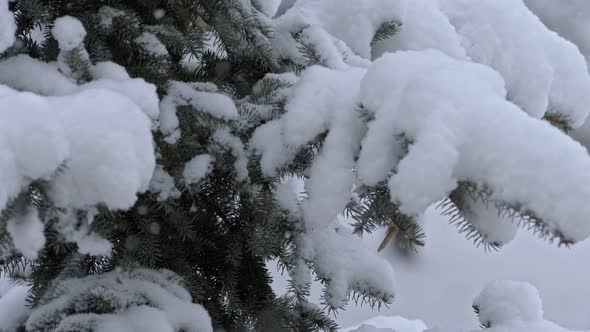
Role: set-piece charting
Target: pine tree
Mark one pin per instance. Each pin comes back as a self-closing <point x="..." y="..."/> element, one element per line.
<point x="236" y="118"/>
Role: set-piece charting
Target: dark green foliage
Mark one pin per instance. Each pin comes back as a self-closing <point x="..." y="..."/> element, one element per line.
<point x="374" y="210"/>
<point x="386" y="30"/>
<point x="219" y="234"/>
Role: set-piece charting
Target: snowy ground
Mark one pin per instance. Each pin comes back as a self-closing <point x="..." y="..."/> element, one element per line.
<point x="439" y="286"/>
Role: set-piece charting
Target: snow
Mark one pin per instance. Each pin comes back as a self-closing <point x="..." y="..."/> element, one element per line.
<point x="388" y="324"/>
<point x="143" y="94"/>
<point x="551" y="71"/>
<point x="159" y="14"/>
<point x="154" y="301"/>
<point x="163" y="184"/>
<point x="13" y="310"/>
<point x="22" y="72"/>
<point x="425" y="26"/>
<point x="203" y="97"/>
<point x="439" y="283"/>
<point x="448" y="141"/>
<point x="33" y="144"/>
<point x="69" y="32"/>
<point x="274" y="154"/>
<point x="340" y="19"/>
<point x="509" y="306"/>
<point x="151" y="44"/>
<point x="93" y="145"/>
<point x="313" y="35"/>
<point x="464" y="90"/>
<point x="7" y="26"/>
<point x="571" y="20"/>
<point x="224" y="137"/>
<point x="197" y="168"/>
<point x="27" y="233"/>
<point x="330" y="176"/>
<point x="109" y="70"/>
<point x="503" y="301"/>
<point x="137" y="319"/>
<point x="286" y="196"/>
<point x="106" y="15"/>
<point x="111" y="150"/>
<point x="342" y="259"/>
<point x="268" y="7"/>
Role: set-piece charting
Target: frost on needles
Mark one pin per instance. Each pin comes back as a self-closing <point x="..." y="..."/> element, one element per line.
<point x="155" y="148"/>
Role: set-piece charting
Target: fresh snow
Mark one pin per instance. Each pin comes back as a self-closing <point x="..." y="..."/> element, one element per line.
<point x="151" y="44"/>
<point x="457" y="95"/>
<point x="201" y="96"/>
<point x="154" y="302"/>
<point x="27" y="234"/>
<point x="163" y="184"/>
<point x="197" y="168"/>
<point x="69" y="32"/>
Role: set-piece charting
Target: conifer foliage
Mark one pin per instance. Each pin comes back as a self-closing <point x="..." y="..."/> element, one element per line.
<point x="152" y="151"/>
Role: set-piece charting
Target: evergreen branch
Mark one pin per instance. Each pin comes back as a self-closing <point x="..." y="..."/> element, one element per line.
<point x="386" y="31"/>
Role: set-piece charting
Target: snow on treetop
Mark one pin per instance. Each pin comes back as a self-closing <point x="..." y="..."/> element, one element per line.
<point x="69" y="32"/>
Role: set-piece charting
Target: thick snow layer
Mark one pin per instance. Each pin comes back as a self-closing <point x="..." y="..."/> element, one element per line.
<point x="163" y="184"/>
<point x="268" y="7"/>
<point x="342" y="259"/>
<point x="274" y="153"/>
<point x="504" y="301"/>
<point x="32" y="141"/>
<point x="111" y="155"/>
<point x="143" y="94"/>
<point x="24" y="73"/>
<point x="152" y="299"/>
<point x="341" y="19"/>
<point x="69" y="32"/>
<point x="371" y="328"/>
<point x="7" y="26"/>
<point x="424" y="27"/>
<point x="332" y="104"/>
<point x="509" y="306"/>
<point x="27" y="234"/>
<point x="454" y="113"/>
<point x="570" y="19"/>
<point x="13" y="305"/>
<point x="197" y="168"/>
<point x="551" y="71"/>
<point x="109" y="70"/>
<point x="93" y="143"/>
